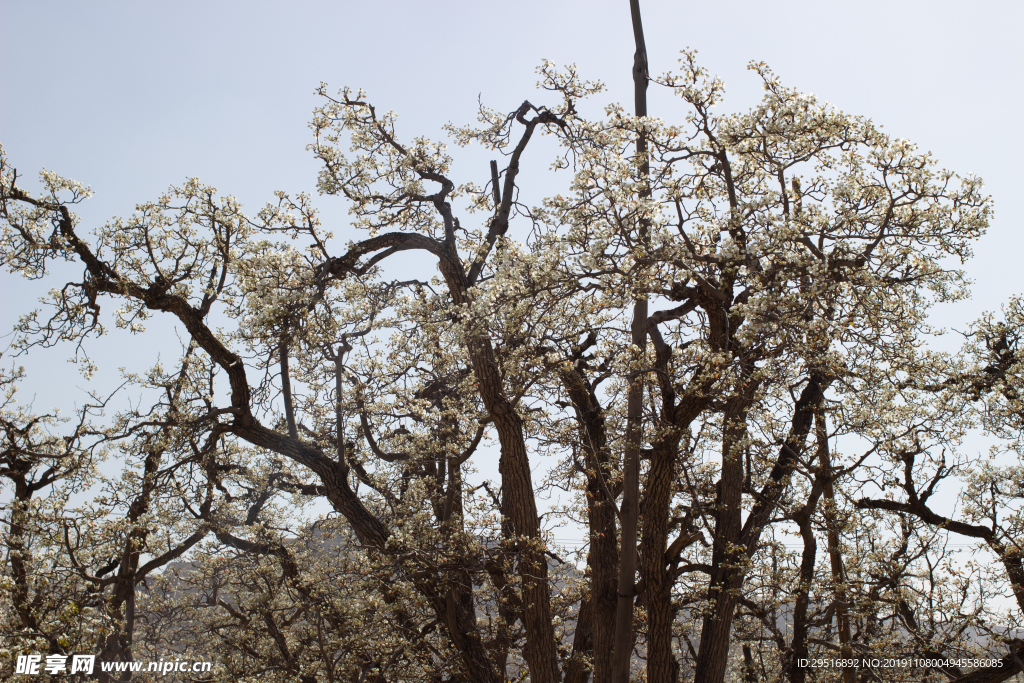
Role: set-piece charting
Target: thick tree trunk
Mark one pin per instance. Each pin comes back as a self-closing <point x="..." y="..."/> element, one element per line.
<point x="518" y="501"/>
<point x="661" y="663"/>
<point x="726" y="577"/>
<point x="517" y="494"/>
<point x="659" y="560"/>
<point x="603" y="562"/>
<point x="576" y="669"/>
<point x="20" y="553"/>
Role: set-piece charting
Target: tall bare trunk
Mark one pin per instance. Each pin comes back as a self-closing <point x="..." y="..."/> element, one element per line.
<point x="629" y="511"/>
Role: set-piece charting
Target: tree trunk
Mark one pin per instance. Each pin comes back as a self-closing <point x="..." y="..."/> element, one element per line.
<point x="798" y="649"/>
<point x="603" y="558"/>
<point x="726" y="576"/>
<point x="629" y="511"/>
<point x="518" y="500"/>
<point x="733" y="546"/>
<point x="661" y="663"/>
<point x="835" y="556"/>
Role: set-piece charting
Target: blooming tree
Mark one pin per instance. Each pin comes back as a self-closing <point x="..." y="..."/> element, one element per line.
<point x="713" y="338"/>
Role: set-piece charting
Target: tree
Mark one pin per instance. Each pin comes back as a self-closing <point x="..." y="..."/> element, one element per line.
<point x="74" y="573"/>
<point x="708" y="340"/>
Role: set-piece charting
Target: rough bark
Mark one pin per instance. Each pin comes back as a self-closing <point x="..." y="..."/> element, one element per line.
<point x="726" y="558"/>
<point x="661" y="662"/>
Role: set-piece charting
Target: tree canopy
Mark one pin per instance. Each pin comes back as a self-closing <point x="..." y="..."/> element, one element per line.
<point x="713" y="340"/>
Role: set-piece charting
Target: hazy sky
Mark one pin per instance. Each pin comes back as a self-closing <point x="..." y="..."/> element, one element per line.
<point x="130" y="97"/>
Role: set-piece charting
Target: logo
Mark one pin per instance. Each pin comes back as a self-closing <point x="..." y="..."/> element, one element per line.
<point x="34" y="665"/>
<point x="55" y="664"/>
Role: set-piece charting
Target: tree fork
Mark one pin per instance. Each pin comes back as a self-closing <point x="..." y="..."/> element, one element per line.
<point x="726" y="581"/>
